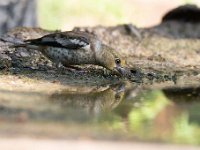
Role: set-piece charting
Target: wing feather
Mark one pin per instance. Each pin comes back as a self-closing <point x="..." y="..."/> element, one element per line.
<point x="67" y="40"/>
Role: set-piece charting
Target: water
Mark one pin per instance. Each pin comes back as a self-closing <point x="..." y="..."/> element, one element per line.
<point x="158" y="112"/>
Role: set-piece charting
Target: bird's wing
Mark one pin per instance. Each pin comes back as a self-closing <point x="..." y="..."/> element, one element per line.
<point x="67" y="40"/>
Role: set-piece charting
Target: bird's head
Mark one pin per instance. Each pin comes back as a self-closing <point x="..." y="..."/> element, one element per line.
<point x="111" y="60"/>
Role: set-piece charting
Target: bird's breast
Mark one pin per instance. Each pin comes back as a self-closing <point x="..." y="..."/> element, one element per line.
<point x="69" y="56"/>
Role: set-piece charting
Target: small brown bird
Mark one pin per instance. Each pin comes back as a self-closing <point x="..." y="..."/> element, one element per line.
<point x="76" y="48"/>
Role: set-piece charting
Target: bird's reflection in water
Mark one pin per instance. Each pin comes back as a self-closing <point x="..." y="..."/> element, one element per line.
<point x="92" y="101"/>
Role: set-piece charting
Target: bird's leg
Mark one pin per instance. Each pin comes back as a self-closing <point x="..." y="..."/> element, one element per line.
<point x="58" y="65"/>
<point x="75" y="69"/>
<point x="107" y="72"/>
<point x="61" y="68"/>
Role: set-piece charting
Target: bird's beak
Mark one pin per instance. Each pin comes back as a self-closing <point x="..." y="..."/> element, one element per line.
<point x="124" y="72"/>
<point x="120" y="71"/>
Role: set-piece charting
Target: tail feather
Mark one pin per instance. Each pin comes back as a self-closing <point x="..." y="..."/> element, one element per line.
<point x="12" y="40"/>
<point x="17" y="43"/>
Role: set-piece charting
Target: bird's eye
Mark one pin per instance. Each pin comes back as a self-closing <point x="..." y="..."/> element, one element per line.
<point x="117" y="61"/>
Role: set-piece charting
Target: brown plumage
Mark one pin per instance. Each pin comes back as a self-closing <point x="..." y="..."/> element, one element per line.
<point x="76" y="48"/>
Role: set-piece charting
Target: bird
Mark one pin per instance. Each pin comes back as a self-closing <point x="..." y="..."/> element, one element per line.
<point x="71" y="48"/>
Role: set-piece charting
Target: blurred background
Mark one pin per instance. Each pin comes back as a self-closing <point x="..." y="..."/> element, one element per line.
<point x="65" y="14"/>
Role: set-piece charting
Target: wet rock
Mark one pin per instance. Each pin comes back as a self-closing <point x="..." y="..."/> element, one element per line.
<point x="24" y="54"/>
<point x="5" y="61"/>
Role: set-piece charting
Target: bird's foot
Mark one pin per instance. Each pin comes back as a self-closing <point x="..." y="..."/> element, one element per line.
<point x="75" y="70"/>
<point x="64" y="69"/>
<point x="107" y="72"/>
<point x="71" y="69"/>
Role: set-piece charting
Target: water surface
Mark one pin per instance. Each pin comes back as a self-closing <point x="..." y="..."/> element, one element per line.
<point x="158" y="112"/>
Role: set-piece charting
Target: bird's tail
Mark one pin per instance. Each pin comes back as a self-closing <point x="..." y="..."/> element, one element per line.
<point x="25" y="45"/>
<point x="12" y="42"/>
<point x="17" y="43"/>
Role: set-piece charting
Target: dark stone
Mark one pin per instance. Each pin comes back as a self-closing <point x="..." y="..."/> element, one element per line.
<point x="185" y="13"/>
